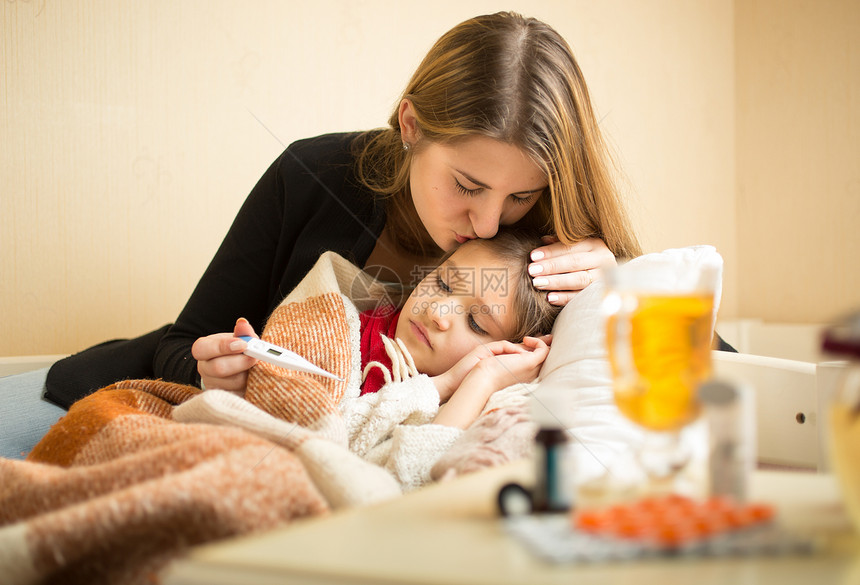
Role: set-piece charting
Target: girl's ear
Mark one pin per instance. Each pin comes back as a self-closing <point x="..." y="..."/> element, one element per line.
<point x="408" y="123"/>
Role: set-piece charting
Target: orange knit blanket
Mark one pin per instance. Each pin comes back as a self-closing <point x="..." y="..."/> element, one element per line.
<point x="138" y="472"/>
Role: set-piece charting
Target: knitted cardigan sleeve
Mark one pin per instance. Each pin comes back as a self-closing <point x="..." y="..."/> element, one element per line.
<point x="393" y="428"/>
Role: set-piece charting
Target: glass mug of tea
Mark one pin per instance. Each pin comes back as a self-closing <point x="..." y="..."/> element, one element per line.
<point x="660" y="311"/>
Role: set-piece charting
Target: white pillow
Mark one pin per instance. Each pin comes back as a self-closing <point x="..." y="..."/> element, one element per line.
<point x="575" y="386"/>
<point x="575" y="391"/>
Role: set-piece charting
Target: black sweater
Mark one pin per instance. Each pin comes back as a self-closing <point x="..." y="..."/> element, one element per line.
<point x="307" y="202"/>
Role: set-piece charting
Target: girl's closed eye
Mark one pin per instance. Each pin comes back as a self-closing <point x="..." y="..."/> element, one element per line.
<point x="473" y="325"/>
<point x="442" y="285"/>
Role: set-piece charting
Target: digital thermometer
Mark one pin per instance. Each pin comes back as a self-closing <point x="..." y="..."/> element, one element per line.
<point x="279" y="356"/>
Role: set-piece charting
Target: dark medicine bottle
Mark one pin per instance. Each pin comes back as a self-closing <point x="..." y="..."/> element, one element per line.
<point x="553" y="491"/>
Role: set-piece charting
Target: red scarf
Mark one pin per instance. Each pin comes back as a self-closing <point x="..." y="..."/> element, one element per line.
<point x="375" y="323"/>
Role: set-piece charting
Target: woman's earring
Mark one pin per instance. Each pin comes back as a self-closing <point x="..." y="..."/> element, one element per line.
<point x="406" y="146"/>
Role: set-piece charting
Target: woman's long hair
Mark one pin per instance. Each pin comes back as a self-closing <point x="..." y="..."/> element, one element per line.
<point x="513" y="79"/>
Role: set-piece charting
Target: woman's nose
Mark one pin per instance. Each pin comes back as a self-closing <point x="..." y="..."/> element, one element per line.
<point x="485" y="217"/>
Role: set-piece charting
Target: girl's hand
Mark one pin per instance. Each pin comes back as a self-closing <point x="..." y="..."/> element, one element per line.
<point x="220" y="361"/>
<point x="512" y="367"/>
<point x="565" y="270"/>
<point x="449" y="381"/>
<point x="514" y="363"/>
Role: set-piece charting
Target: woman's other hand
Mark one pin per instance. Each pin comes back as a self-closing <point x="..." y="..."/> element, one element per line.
<point x="220" y="361"/>
<point x="564" y="270"/>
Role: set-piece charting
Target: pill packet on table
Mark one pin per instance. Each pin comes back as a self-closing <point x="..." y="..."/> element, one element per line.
<point x="556" y="539"/>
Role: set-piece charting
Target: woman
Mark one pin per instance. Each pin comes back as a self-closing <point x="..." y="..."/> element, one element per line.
<point x="494" y="128"/>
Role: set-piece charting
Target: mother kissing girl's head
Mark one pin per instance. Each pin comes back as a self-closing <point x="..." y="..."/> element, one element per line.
<point x="496" y="127"/>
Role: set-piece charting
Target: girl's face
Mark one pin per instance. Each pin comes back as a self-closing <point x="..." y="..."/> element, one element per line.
<point x="465" y="302"/>
<point x="466" y="190"/>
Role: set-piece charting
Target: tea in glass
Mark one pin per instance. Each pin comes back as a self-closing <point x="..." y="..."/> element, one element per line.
<point x="659" y="352"/>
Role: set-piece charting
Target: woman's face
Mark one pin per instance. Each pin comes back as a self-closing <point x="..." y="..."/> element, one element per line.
<point x="466" y="190"/>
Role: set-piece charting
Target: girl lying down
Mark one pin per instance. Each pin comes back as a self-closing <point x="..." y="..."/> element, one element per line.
<point x="414" y="377"/>
<point x="425" y="362"/>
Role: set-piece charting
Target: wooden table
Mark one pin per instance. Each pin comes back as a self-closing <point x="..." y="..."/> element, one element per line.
<point x="449" y="533"/>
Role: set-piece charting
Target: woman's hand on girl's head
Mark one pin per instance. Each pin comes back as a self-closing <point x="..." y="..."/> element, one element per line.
<point x="220" y="361"/>
<point x="564" y="270"/>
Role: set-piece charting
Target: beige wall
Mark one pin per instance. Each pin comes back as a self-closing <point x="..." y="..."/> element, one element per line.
<point x="798" y="158"/>
<point x="131" y="132"/>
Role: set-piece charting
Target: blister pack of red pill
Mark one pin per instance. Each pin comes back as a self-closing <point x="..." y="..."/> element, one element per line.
<point x="657" y="527"/>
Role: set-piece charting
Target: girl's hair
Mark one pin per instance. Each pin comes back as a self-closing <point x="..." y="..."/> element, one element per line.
<point x="513" y="79"/>
<point x="533" y="315"/>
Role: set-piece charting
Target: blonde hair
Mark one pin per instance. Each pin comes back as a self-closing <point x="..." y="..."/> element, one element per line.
<point x="513" y="79"/>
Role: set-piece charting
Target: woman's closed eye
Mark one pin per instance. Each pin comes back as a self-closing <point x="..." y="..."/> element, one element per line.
<point x="524" y="200"/>
<point x="465" y="190"/>
<point x="472" y="192"/>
